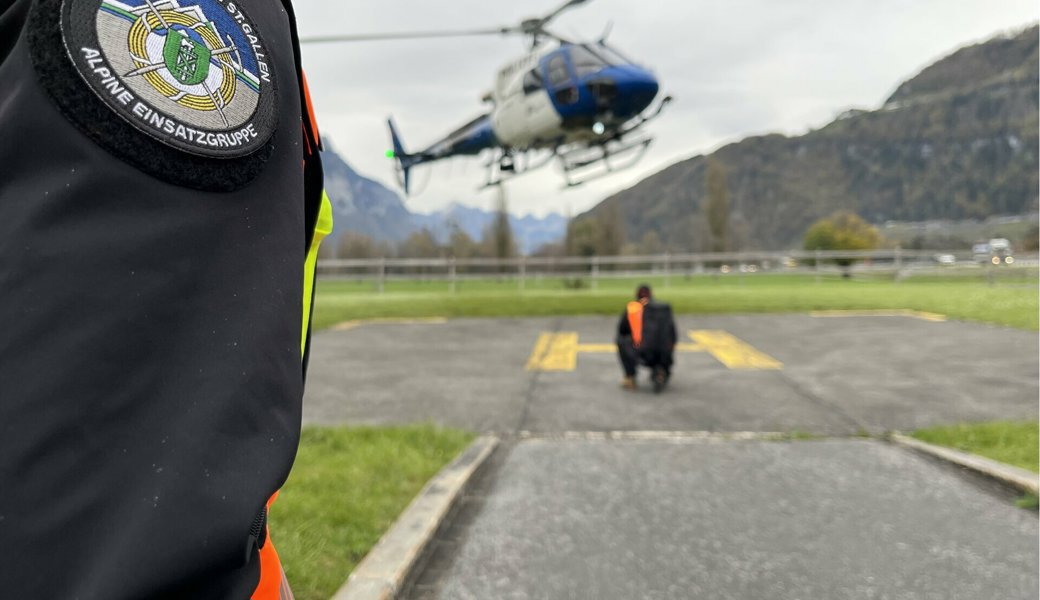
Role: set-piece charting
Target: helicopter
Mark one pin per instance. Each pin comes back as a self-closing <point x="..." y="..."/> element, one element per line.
<point x="579" y="103"/>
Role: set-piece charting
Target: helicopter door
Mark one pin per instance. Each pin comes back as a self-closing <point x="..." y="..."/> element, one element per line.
<point x="526" y="116"/>
<point x="559" y="82"/>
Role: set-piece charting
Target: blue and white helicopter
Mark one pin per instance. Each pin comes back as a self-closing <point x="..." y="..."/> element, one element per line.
<point x="581" y="104"/>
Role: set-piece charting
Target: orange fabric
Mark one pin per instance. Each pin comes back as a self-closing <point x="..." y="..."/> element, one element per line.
<point x="273" y="585"/>
<point x="635" y="321"/>
<point x="310" y="106"/>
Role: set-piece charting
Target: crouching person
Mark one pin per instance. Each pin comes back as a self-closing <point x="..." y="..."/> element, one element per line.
<point x="646" y="336"/>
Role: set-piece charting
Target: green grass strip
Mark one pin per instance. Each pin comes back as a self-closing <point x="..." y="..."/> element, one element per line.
<point x="974" y="300"/>
<point x="346" y="489"/>
<point x="1010" y="442"/>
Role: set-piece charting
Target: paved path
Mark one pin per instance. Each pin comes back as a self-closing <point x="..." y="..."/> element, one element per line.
<point x="607" y="519"/>
<point x="742" y="520"/>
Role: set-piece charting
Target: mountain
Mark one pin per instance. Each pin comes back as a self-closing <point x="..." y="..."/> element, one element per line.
<point x="530" y="232"/>
<point x="957" y="141"/>
<point x="363" y="205"/>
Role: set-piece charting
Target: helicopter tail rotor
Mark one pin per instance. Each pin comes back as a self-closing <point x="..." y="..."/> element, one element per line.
<point x="404" y="160"/>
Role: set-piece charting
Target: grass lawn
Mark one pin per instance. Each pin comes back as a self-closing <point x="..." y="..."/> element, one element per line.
<point x="1012" y="302"/>
<point x="1011" y="442"/>
<point x="349" y="484"/>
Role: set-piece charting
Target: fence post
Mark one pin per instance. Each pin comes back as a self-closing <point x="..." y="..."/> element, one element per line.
<point x="816" y="265"/>
<point x="381" y="275"/>
<point x="523" y="271"/>
<point x="667" y="270"/>
<point x="595" y="271"/>
<point x="451" y="274"/>
<point x="899" y="261"/>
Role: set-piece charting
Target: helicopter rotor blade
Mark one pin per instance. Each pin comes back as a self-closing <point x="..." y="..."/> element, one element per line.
<point x="549" y="17"/>
<point x="404" y="35"/>
<point x="532" y="27"/>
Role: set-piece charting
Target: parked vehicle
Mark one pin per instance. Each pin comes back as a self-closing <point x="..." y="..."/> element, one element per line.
<point x="997" y="251"/>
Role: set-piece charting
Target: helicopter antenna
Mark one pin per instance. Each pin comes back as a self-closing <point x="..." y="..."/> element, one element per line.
<point x="536" y="28"/>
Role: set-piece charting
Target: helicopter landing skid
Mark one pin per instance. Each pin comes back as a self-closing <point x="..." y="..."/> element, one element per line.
<point x="577" y="161"/>
<point x="498" y="173"/>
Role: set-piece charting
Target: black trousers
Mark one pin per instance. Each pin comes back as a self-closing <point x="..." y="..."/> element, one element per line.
<point x="631" y="357"/>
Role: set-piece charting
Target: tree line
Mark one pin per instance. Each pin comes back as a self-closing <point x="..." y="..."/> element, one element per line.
<point x="602" y="233"/>
<point x="497" y="241"/>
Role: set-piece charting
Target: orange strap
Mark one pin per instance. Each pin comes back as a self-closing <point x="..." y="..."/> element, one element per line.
<point x="273" y="584"/>
<point x="635" y="321"/>
<point x="311" y="119"/>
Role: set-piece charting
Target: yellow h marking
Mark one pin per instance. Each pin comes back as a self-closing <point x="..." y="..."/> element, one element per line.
<point x="559" y="351"/>
<point x="733" y="352"/>
<point x="554" y="352"/>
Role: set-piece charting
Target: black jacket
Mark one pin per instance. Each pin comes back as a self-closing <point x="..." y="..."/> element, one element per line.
<point x="150" y="302"/>
<point x="624" y="328"/>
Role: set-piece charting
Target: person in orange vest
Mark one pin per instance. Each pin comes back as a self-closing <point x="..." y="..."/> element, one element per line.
<point x="161" y="206"/>
<point x="646" y="336"/>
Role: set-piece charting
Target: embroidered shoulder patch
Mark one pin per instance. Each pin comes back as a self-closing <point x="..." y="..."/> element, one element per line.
<point x="192" y="74"/>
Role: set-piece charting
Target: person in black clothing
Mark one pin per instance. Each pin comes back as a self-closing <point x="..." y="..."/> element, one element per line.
<point x="646" y="335"/>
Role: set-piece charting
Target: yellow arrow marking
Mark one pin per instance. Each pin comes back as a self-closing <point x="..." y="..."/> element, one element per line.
<point x="733" y="352"/>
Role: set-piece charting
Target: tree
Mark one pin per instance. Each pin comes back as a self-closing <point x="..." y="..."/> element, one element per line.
<point x="460" y="245"/>
<point x="717" y="206"/>
<point x="355" y="245"/>
<point x="612" y="231"/>
<point x="842" y="231"/>
<point x="602" y="234"/>
<point x="421" y="244"/>
<point x="650" y="244"/>
<point x="1031" y="241"/>
<point x="500" y="235"/>
<point x="583" y="236"/>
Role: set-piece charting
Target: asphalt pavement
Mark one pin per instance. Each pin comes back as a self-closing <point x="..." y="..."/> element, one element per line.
<point x="839" y="375"/>
<point x="737" y="520"/>
<point x="564" y="511"/>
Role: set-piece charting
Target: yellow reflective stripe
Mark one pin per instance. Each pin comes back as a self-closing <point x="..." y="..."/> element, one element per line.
<point x="321" y="229"/>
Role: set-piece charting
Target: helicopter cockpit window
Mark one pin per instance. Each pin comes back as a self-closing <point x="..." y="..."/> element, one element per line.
<point x="532" y="81"/>
<point x="558" y="71"/>
<point x="585" y="61"/>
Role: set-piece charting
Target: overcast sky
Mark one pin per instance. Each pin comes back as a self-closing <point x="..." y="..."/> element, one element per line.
<point x="736" y="68"/>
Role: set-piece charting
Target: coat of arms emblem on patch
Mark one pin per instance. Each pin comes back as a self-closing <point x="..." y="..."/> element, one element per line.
<point x="193" y="74"/>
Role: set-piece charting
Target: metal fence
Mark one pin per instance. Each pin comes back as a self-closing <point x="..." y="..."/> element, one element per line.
<point x="900" y="263"/>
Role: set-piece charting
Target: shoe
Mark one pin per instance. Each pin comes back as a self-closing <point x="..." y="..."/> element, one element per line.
<point x="628" y="383"/>
<point x="660" y="378"/>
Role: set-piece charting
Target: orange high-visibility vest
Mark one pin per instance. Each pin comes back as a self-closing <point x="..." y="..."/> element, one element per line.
<point x="635" y="321"/>
<point x="273" y="585"/>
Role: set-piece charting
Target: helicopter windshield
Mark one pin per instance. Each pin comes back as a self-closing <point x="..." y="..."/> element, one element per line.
<point x="590" y="58"/>
<point x="611" y="55"/>
<point x="586" y="61"/>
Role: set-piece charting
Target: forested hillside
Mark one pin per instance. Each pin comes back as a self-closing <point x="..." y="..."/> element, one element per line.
<point x="959" y="140"/>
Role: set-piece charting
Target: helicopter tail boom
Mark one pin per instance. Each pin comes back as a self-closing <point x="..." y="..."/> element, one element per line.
<point x="472" y="138"/>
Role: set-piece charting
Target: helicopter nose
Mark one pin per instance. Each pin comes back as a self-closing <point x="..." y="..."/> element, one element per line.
<point x="624" y="90"/>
